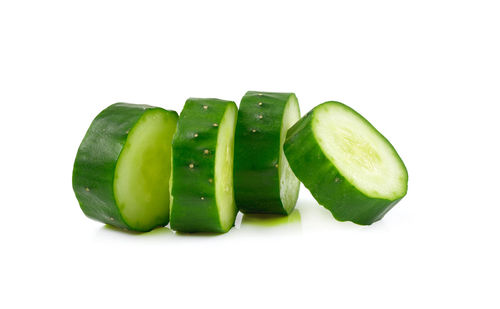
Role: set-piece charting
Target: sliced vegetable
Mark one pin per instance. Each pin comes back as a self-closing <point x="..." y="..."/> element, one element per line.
<point x="202" y="167"/>
<point x="263" y="180"/>
<point x="349" y="167"/>
<point x="122" y="168"/>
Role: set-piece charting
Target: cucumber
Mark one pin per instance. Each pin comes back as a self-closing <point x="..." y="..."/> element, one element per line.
<point x="122" y="168"/>
<point x="263" y="180"/>
<point x="202" y="198"/>
<point x="349" y="167"/>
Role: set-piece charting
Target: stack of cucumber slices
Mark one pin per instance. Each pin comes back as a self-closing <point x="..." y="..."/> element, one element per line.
<point x="140" y="167"/>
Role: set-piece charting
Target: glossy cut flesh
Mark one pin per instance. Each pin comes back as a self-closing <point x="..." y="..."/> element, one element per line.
<point x="360" y="153"/>
<point x="351" y="168"/>
<point x="224" y="154"/>
<point x="110" y="178"/>
<point x="289" y="184"/>
<point x="143" y="171"/>
<point x="202" y="178"/>
<point x="264" y="182"/>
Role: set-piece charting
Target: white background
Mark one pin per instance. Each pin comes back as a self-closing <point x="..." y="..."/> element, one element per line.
<point x="425" y="73"/>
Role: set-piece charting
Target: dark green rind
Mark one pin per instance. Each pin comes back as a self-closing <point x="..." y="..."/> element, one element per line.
<point x="256" y="154"/>
<point x="95" y="163"/>
<point x="189" y="213"/>
<point x="326" y="184"/>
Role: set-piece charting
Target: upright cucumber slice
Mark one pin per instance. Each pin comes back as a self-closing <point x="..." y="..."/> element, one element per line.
<point x="122" y="168"/>
<point x="263" y="180"/>
<point x="202" y="167"/>
<point x="348" y="166"/>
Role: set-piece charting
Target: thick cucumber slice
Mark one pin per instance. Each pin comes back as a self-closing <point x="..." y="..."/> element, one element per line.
<point x="202" y="167"/>
<point x="263" y="180"/>
<point x="348" y="166"/>
<point x="122" y="168"/>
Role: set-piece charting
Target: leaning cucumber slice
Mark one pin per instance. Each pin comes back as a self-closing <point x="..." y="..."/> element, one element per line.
<point x="202" y="167"/>
<point x="122" y="168"/>
<point x="348" y="166"/>
<point x="263" y="180"/>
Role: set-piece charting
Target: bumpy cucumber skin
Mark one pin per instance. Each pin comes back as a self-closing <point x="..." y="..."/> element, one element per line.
<point x="95" y="163"/>
<point x="257" y="151"/>
<point x="324" y="181"/>
<point x="194" y="205"/>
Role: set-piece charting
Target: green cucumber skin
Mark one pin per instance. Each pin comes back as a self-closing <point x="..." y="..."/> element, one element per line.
<point x="256" y="154"/>
<point x="94" y="167"/>
<point x="326" y="184"/>
<point x="189" y="212"/>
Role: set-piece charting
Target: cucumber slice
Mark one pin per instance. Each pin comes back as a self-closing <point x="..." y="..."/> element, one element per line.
<point x="202" y="167"/>
<point x="263" y="180"/>
<point x="122" y="168"/>
<point x="349" y="167"/>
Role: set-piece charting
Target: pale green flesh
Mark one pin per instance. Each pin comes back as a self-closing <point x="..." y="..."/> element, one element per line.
<point x="289" y="184"/>
<point x="359" y="152"/>
<point x="142" y="173"/>
<point x="224" y="154"/>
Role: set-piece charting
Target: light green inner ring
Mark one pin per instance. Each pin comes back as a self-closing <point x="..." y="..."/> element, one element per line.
<point x="224" y="154"/>
<point x="141" y="180"/>
<point x="359" y="152"/>
<point x="289" y="184"/>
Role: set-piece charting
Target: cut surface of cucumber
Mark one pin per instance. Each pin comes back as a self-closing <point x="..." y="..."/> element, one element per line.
<point x="289" y="184"/>
<point x="264" y="182"/>
<point x="122" y="168"/>
<point x="348" y="166"/>
<point x="360" y="153"/>
<point x="202" y="167"/>
<point x="143" y="171"/>
<point x="224" y="155"/>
